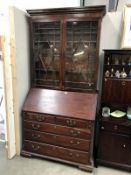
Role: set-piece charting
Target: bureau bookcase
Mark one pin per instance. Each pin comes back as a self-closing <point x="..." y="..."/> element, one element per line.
<point x="59" y="112"/>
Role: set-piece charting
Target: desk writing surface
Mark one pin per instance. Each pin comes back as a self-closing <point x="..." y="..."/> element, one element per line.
<point x="61" y="103"/>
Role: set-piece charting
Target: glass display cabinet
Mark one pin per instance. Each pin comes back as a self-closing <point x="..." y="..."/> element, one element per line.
<point x="66" y="47"/>
<point x="113" y="139"/>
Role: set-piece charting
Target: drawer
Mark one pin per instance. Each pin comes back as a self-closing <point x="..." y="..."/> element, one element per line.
<point x="57" y="129"/>
<point x="38" y="117"/>
<point x="57" y="152"/>
<point x="74" y="122"/>
<point x="59" y="140"/>
<point x="106" y="126"/>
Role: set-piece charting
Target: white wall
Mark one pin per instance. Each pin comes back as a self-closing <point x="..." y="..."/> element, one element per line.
<point x="39" y="4"/>
<point x="96" y="2"/>
<point x="111" y="31"/>
<point x="120" y="6"/>
<point x="122" y="3"/>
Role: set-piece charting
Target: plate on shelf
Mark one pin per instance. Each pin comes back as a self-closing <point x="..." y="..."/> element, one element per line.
<point x="118" y="114"/>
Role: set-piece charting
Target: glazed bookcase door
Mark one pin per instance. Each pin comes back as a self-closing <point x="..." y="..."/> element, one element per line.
<point x="80" y="55"/>
<point x="46" y="48"/>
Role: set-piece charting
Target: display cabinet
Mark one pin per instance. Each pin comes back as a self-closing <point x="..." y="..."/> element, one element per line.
<point x="113" y="131"/>
<point x="65" y="47"/>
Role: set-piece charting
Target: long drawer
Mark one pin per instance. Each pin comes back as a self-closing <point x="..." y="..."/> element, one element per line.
<point x="58" y="152"/>
<point x="57" y="129"/>
<point x="116" y="128"/>
<point x="60" y="140"/>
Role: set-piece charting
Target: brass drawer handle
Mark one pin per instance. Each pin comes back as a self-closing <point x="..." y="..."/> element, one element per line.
<point x="40" y="118"/>
<point x="77" y="142"/>
<point x="115" y="127"/>
<point x="123" y="83"/>
<point x="71" y="123"/>
<point x="37" y="126"/>
<point x="77" y="155"/>
<point x="72" y="142"/>
<point x="35" y="147"/>
<point x="89" y="126"/>
<point x="75" y="133"/>
<point x="35" y="136"/>
<point x="124" y="145"/>
<point x="78" y="132"/>
<point x="70" y="154"/>
<point x="102" y="127"/>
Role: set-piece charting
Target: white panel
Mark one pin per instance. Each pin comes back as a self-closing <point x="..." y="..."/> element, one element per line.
<point x="22" y="67"/>
<point x="9" y="100"/>
<point x="97" y="2"/>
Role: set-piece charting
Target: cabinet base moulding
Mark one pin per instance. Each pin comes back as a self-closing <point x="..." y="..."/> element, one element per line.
<point x="83" y="167"/>
<point x="113" y="164"/>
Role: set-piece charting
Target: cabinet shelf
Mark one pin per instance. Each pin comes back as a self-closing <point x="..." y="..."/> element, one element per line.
<point x="117" y="65"/>
<point x="115" y="78"/>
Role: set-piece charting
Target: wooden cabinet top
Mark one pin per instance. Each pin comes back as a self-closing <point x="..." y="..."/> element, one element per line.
<point x="97" y="11"/>
<point x="62" y="103"/>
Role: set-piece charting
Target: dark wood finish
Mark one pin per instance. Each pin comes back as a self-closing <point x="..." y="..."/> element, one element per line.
<point x="60" y="67"/>
<point x="113" y="141"/>
<point x="38" y="117"/>
<point x="67" y="137"/>
<point x="75" y="105"/>
<point x="74" y="123"/>
<point x="58" y="129"/>
<point x="55" y="151"/>
<point x="59" y="124"/>
<point x="95" y="10"/>
<point x="59" y="140"/>
<point x="115" y="91"/>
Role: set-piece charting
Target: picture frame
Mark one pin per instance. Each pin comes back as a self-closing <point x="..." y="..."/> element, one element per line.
<point x="126" y="34"/>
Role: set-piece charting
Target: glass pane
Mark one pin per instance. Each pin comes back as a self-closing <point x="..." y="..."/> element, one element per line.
<point x="46" y="53"/>
<point x="80" y="61"/>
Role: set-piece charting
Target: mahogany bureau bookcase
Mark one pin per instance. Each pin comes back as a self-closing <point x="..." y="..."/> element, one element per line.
<point x="59" y="112"/>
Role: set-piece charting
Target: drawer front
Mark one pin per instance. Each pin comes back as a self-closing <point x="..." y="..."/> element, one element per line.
<point x="74" y="122"/>
<point x="58" y="152"/>
<point x="115" y="148"/>
<point x="38" y="117"/>
<point x="60" y="140"/>
<point x="106" y="126"/>
<point x="57" y="129"/>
